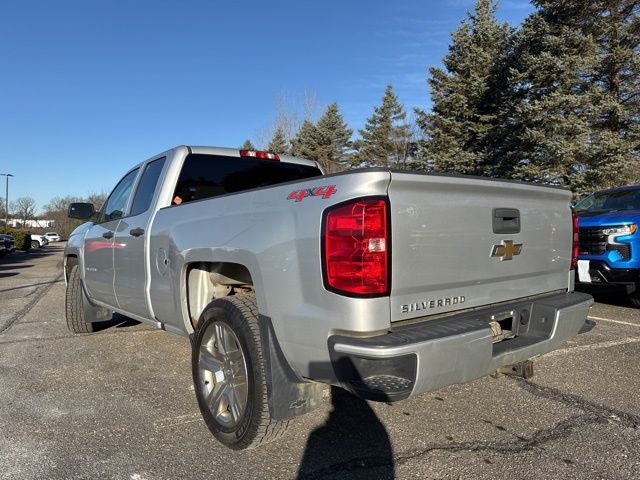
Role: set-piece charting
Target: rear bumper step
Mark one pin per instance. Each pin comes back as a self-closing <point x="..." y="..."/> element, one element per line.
<point x="432" y="354"/>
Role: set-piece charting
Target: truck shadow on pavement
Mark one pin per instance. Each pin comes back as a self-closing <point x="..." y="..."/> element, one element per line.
<point x="609" y="296"/>
<point x="12" y="267"/>
<point x="352" y="443"/>
<point x="11" y="264"/>
<point x="12" y="260"/>
<point x="117" y="321"/>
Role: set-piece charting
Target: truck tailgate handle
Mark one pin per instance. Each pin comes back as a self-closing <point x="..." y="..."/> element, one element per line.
<point x="506" y="220"/>
<point x="108" y="235"/>
<point x="136" y="232"/>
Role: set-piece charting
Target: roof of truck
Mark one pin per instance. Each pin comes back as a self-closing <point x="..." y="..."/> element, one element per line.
<point x="235" y="152"/>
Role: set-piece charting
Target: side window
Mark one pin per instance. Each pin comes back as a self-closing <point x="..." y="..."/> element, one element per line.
<point x="117" y="201"/>
<point x="147" y="187"/>
<point x="205" y="176"/>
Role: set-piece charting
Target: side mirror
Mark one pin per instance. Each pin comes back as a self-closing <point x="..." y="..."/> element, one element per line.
<point x="81" y="211"/>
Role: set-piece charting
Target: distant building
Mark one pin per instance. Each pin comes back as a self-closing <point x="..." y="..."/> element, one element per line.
<point x="39" y="223"/>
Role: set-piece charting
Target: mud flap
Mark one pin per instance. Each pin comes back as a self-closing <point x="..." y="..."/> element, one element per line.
<point x="94" y="313"/>
<point x="288" y="395"/>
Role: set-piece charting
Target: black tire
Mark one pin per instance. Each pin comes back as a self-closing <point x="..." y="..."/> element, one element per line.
<point x="634" y="299"/>
<point x="34" y="244"/>
<point x="255" y="425"/>
<point x="73" y="305"/>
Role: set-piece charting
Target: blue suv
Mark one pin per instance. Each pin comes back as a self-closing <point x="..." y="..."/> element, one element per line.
<point x="609" y="244"/>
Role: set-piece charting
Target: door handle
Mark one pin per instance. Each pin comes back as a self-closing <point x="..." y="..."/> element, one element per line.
<point x="136" y="232"/>
<point x="108" y="235"/>
<point x="506" y="220"/>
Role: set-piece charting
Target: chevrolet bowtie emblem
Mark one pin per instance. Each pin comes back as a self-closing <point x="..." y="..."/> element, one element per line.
<point x="507" y="250"/>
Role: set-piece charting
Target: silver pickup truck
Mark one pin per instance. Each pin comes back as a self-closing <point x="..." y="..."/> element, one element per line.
<point x="386" y="283"/>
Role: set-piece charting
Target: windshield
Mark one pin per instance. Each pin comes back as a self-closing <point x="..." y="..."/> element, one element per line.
<point x="607" y="201"/>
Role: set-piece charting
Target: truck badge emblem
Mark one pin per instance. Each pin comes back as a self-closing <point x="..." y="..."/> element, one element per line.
<point x="506" y="250"/>
<point x="324" y="192"/>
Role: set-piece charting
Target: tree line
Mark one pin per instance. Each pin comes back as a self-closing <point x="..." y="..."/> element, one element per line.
<point x="24" y="208"/>
<point x="554" y="101"/>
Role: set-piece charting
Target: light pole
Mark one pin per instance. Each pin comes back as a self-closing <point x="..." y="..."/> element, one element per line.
<point x="6" y="199"/>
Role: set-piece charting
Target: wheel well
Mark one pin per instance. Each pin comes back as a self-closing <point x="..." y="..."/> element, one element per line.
<point x="209" y="280"/>
<point x="70" y="262"/>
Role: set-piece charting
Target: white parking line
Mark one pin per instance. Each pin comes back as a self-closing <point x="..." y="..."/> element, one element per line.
<point x="614" y="321"/>
<point x="593" y="346"/>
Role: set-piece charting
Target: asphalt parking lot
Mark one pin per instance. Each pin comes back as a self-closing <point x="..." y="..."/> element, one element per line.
<point x="119" y="404"/>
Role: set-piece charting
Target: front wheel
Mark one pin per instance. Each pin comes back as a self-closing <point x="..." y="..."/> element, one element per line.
<point x="74" y="308"/>
<point x="34" y="244"/>
<point x="634" y="299"/>
<point x="229" y="375"/>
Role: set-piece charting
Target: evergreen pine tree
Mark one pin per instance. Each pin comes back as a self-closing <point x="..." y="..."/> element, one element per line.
<point x="386" y="136"/>
<point x="467" y="96"/>
<point x="278" y="143"/>
<point x="615" y="89"/>
<point x="573" y="113"/>
<point x="247" y="145"/>
<point x="546" y="136"/>
<point x="332" y="136"/>
<point x="305" y="143"/>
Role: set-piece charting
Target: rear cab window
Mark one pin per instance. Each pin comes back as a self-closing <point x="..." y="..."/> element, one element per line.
<point x="205" y="176"/>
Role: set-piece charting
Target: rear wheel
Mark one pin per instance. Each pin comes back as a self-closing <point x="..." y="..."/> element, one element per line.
<point x="34" y="244"/>
<point x="74" y="309"/>
<point x="229" y="376"/>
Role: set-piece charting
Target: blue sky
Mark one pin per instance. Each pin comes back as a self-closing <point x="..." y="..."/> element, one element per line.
<point x="89" y="88"/>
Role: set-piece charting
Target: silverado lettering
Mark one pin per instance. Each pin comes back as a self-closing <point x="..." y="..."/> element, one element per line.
<point x="440" y="302"/>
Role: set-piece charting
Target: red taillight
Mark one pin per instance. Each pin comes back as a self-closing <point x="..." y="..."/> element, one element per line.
<point x="260" y="155"/>
<point x="576" y="241"/>
<point x="356" y="248"/>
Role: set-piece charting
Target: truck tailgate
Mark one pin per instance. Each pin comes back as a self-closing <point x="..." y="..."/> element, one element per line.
<point x="448" y="252"/>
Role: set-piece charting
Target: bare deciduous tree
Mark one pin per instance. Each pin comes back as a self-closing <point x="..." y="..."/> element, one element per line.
<point x="97" y="199"/>
<point x="291" y="112"/>
<point x="23" y="208"/>
<point x="57" y="208"/>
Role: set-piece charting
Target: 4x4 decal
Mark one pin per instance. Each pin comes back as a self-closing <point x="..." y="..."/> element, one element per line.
<point x="324" y="192"/>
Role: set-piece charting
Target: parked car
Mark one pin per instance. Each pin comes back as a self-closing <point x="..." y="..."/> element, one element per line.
<point x="9" y="242"/>
<point x="38" y="241"/>
<point x="52" y="236"/>
<point x="386" y="283"/>
<point x="609" y="242"/>
<point x="3" y="250"/>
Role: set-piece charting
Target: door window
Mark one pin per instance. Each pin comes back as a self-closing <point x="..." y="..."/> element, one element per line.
<point x="117" y="201"/>
<point x="147" y="187"/>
